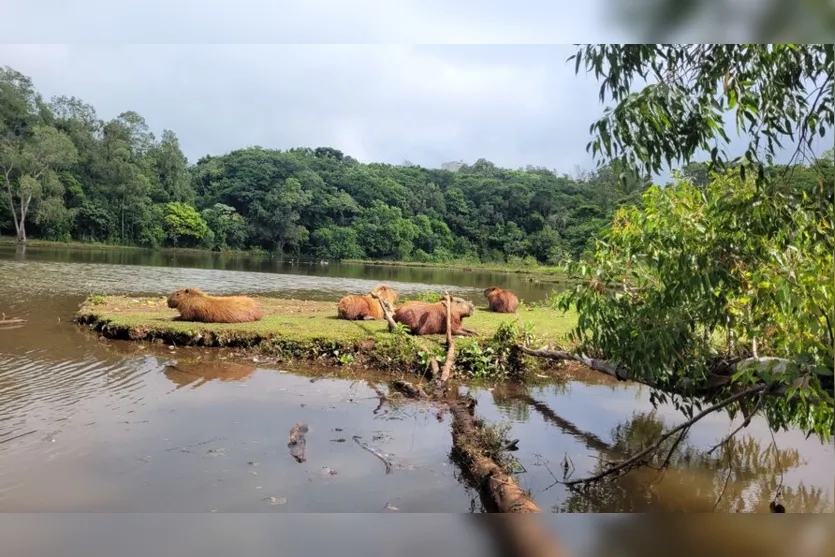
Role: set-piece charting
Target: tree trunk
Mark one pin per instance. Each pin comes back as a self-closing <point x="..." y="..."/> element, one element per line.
<point x="19" y="227"/>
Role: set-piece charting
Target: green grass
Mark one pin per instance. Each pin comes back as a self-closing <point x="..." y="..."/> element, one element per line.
<point x="300" y="329"/>
<point x="299" y="319"/>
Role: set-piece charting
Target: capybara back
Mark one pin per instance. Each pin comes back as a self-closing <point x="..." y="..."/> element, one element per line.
<point x="501" y="301"/>
<point x="365" y="306"/>
<point x="195" y="305"/>
<point x="423" y="318"/>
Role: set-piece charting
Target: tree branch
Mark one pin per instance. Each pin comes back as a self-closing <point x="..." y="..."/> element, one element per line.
<point x="598" y="365"/>
<point x="654" y="447"/>
<point x="745" y="423"/>
<point x="765" y="363"/>
<point x="388" y="314"/>
<point x="450" y="353"/>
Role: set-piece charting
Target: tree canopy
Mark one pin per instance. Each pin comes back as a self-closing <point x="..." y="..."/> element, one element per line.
<point x="720" y="284"/>
<point x="116" y="182"/>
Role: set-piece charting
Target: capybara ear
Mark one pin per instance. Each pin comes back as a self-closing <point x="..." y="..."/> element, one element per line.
<point x="187" y="291"/>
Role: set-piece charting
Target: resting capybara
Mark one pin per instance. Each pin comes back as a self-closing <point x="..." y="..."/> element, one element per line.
<point x="365" y="306"/>
<point x="501" y="301"/>
<point x="423" y="318"/>
<point x="195" y="305"/>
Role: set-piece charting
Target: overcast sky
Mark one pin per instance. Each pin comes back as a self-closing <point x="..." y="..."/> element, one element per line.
<point x="514" y="104"/>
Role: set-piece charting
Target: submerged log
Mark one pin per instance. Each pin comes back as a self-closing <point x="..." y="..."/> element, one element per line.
<point x="408" y="389"/>
<point x="298" y="442"/>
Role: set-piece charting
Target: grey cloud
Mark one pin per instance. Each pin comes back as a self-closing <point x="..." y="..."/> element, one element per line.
<point x="514" y="105"/>
<point x="358" y="21"/>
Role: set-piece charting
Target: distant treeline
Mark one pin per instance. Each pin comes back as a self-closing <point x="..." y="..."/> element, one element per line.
<point x="68" y="175"/>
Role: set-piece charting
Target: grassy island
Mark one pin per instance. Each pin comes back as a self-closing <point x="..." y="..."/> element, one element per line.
<point x="309" y="330"/>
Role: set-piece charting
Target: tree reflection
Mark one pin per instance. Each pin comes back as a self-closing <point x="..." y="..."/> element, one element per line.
<point x="742" y="475"/>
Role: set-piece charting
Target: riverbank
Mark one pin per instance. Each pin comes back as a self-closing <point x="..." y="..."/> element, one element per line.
<point x="552" y="272"/>
<point x="309" y="330"/>
<point x="74" y="244"/>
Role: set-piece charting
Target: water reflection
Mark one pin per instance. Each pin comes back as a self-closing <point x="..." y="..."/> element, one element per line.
<point x="200" y="373"/>
<point x="742" y="476"/>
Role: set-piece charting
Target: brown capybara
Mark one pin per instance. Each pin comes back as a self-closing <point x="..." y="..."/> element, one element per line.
<point x="365" y="306"/>
<point x="423" y="318"/>
<point x="195" y="305"/>
<point x="501" y="301"/>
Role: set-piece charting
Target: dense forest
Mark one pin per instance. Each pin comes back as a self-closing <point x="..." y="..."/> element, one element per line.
<point x="68" y="175"/>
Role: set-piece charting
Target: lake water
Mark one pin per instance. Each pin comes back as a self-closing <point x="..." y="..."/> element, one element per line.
<point x="94" y="426"/>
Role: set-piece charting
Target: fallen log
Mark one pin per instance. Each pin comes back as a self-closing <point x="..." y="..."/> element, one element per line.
<point x="502" y="489"/>
<point x="11" y="323"/>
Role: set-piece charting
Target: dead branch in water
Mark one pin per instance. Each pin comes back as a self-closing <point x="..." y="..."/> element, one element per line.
<point x="639" y="458"/>
<point x="409" y="390"/>
<point x="502" y="488"/>
<point x="375" y="452"/>
<point x="298" y="442"/>
<point x="11" y="322"/>
<point x="388" y="313"/>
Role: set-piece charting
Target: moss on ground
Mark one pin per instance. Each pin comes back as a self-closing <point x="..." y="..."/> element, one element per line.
<point x="309" y="330"/>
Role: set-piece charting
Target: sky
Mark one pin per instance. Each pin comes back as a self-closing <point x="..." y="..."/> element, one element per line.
<point x="513" y="104"/>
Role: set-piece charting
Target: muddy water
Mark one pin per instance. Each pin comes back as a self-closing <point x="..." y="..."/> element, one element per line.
<point x="168" y="270"/>
<point x="94" y="426"/>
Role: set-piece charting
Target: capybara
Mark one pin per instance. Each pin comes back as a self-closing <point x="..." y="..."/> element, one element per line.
<point x="501" y="301"/>
<point x="195" y="305"/>
<point x="365" y="306"/>
<point x="423" y="318"/>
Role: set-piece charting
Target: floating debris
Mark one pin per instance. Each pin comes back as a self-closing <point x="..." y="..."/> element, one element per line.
<point x="375" y="452"/>
<point x="298" y="442"/>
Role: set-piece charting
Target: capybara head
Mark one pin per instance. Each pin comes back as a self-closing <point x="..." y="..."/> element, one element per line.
<point x="387" y="293"/>
<point x="178" y="296"/>
<point x="488" y="291"/>
<point x="462" y="307"/>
